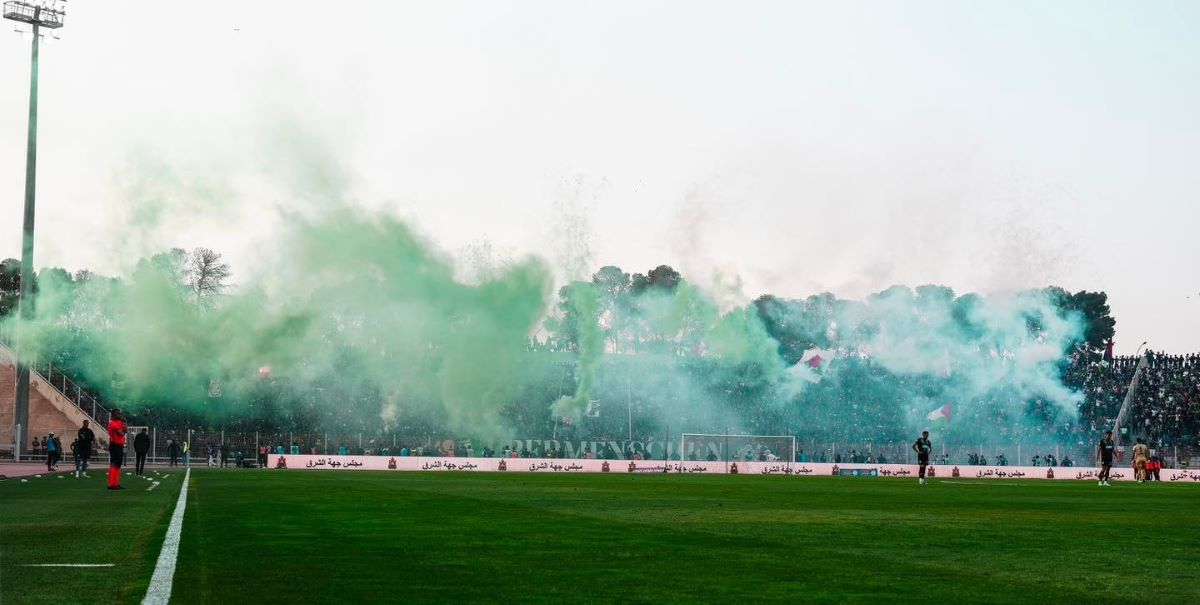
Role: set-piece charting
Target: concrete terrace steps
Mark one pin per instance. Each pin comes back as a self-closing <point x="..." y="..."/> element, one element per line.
<point x="49" y="409"/>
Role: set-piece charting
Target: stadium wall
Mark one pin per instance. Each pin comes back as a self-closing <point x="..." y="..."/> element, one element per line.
<point x="795" y="469"/>
<point x="49" y="411"/>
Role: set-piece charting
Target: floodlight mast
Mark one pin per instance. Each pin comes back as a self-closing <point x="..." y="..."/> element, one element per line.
<point x="38" y="16"/>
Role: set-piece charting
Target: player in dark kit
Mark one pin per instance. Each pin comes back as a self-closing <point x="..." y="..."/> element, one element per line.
<point x="922" y="447"/>
<point x="116" y="448"/>
<point x="141" y="446"/>
<point x="83" y="449"/>
<point x="1104" y="453"/>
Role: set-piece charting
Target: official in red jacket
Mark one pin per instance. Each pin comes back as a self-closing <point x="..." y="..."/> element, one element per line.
<point x="116" y="448"/>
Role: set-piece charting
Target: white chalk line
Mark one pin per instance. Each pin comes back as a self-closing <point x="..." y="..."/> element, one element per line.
<point x="152" y="486"/>
<point x="68" y="565"/>
<point x="159" y="592"/>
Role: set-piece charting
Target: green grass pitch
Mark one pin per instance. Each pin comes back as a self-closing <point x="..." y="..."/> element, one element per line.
<point x="366" y="537"/>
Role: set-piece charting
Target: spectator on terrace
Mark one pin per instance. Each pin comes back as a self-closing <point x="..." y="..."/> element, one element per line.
<point x="37" y="446"/>
<point x="225" y="455"/>
<point x="342" y="450"/>
<point x="1066" y="461"/>
<point x="187" y="453"/>
<point x="1036" y="461"/>
<point x="404" y="452"/>
<point x="210" y="451"/>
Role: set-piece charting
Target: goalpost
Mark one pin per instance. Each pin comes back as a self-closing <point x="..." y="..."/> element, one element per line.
<point x="727" y="448"/>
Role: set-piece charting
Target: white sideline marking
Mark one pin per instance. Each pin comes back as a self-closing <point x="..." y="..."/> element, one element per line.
<point x="159" y="591"/>
<point x="68" y="565"/>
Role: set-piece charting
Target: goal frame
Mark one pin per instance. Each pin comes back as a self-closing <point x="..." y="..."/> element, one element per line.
<point x="788" y="460"/>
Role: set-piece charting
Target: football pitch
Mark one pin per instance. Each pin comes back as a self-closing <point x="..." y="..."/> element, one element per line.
<point x="254" y="536"/>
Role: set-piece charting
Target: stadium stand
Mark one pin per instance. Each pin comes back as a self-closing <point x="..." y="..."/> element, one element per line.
<point x="1165" y="409"/>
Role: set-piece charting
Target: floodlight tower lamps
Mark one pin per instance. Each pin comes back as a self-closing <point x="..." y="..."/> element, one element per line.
<point x="37" y="15"/>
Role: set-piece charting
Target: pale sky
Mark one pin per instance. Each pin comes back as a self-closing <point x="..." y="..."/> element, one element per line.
<point x="790" y="147"/>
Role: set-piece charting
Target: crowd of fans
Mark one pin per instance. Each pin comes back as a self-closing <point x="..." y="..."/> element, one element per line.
<point x="860" y="406"/>
<point x="1167" y="406"/>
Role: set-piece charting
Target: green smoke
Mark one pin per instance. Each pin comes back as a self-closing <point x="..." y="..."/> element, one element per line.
<point x="347" y="318"/>
<point x="342" y="303"/>
<point x="581" y="308"/>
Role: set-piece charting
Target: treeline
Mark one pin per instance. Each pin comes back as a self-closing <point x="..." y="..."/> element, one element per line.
<point x="651" y="349"/>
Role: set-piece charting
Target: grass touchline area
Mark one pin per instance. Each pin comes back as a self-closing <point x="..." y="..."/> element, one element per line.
<point x="317" y="536"/>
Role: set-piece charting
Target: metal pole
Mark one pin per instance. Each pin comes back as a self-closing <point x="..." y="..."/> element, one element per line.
<point x="24" y="308"/>
<point x="726" y="455"/>
<point x="666" y="448"/>
<point x="629" y="405"/>
<point x="153" y="442"/>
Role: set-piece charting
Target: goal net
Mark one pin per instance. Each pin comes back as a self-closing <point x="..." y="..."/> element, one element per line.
<point x="737" y="448"/>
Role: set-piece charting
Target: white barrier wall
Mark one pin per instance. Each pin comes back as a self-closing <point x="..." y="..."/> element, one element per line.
<point x="795" y="469"/>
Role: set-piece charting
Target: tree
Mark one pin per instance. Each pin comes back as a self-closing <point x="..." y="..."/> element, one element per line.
<point x="568" y="328"/>
<point x="167" y="266"/>
<point x="1099" y="324"/>
<point x="10" y="285"/>
<point x="664" y="277"/>
<point x="613" y="286"/>
<point x="206" y="274"/>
